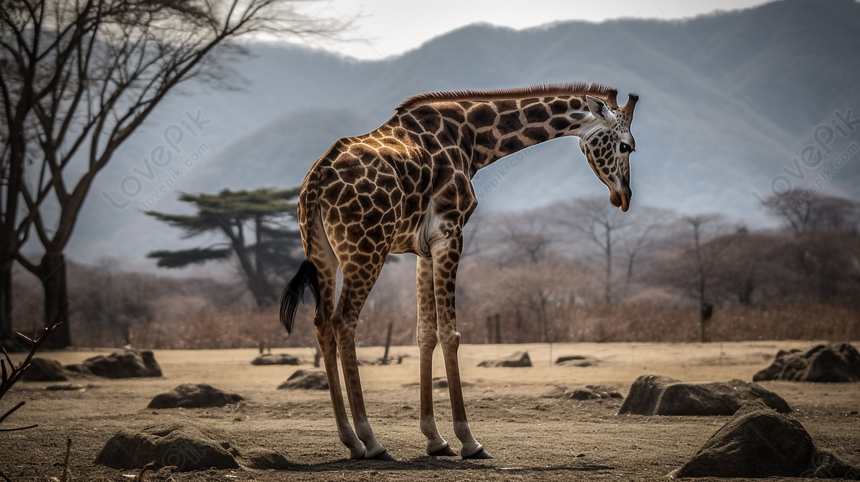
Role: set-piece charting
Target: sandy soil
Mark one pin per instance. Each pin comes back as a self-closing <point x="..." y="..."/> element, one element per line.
<point x="532" y="438"/>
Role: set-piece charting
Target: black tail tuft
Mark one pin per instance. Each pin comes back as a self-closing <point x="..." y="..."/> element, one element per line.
<point x="295" y="290"/>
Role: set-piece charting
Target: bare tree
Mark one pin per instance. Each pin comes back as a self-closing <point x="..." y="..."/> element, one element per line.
<point x="529" y="296"/>
<point x="704" y="257"/>
<point x="601" y="225"/>
<point x="648" y="233"/>
<point x="523" y="236"/>
<point x="802" y="211"/>
<point x="79" y="77"/>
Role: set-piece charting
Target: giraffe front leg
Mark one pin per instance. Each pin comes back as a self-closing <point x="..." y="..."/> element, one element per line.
<point x="446" y="256"/>
<point x="427" y="338"/>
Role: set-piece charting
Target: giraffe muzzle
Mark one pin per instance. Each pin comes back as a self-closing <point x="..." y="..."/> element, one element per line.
<point x="620" y="197"/>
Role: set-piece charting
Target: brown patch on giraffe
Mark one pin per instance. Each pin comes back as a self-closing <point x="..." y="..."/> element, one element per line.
<point x="536" y="113"/>
<point x="483" y="115"/>
<point x="536" y="134"/>
<point x="509" y="123"/>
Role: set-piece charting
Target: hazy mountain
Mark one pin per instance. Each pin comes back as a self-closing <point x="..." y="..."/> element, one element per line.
<point x="727" y="101"/>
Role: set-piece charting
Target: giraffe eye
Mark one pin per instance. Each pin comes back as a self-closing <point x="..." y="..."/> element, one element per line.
<point x="624" y="147"/>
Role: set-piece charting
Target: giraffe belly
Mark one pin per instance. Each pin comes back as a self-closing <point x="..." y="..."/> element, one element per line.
<point x="416" y="231"/>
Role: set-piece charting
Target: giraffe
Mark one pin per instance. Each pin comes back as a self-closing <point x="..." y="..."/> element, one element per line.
<point x="406" y="188"/>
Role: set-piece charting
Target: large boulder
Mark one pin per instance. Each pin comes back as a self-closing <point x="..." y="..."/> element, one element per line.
<point x="306" y="380"/>
<point x="278" y="359"/>
<point x="757" y="442"/>
<point x="121" y="364"/>
<point x="45" y="370"/>
<point x="824" y="363"/>
<point x="190" y="395"/>
<point x="184" y="447"/>
<point x="518" y="359"/>
<point x="658" y="395"/>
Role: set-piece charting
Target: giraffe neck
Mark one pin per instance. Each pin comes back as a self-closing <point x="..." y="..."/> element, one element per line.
<point x="522" y="123"/>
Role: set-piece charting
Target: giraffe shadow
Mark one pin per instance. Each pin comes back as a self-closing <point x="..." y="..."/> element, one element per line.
<point x="432" y="463"/>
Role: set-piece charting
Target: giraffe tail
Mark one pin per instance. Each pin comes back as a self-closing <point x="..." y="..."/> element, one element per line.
<point x="295" y="290"/>
<point x="307" y="276"/>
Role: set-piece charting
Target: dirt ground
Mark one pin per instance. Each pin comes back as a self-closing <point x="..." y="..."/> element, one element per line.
<point x="531" y="438"/>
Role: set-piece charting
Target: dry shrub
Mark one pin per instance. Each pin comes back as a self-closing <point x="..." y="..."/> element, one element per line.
<point x="209" y="328"/>
<point x="779" y="321"/>
<point x="650" y="322"/>
<point x="549" y="300"/>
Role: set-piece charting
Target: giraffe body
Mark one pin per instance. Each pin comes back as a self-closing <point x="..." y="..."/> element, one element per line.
<point x="406" y="188"/>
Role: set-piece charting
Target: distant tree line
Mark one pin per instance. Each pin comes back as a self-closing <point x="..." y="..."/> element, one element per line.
<point x="537" y="269"/>
<point x="577" y="270"/>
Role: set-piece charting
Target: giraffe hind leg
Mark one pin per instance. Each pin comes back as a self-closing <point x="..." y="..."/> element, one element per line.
<point x="356" y="288"/>
<point x="326" y="263"/>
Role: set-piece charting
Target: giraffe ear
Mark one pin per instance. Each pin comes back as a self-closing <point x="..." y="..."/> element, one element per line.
<point x="600" y="110"/>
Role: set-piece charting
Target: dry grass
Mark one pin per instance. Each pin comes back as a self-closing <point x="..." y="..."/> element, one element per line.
<point x="532" y="438"/>
<point x="209" y="328"/>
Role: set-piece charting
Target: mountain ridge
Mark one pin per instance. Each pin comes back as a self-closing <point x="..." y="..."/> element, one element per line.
<point x="727" y="101"/>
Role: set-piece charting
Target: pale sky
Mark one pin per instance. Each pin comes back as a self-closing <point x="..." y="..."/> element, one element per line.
<point x="390" y="27"/>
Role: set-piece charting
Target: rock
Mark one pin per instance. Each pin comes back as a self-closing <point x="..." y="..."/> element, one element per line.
<point x="122" y="364"/>
<point x="307" y="380"/>
<point x="265" y="460"/>
<point x="575" y="361"/>
<point x="45" y="370"/>
<point x="592" y="392"/>
<point x="440" y="382"/>
<point x="518" y="359"/>
<point x="66" y="387"/>
<point x="79" y="368"/>
<point x="824" y="363"/>
<point x="554" y="392"/>
<point x="189" y="395"/>
<point x="657" y="395"/>
<point x="278" y="359"/>
<point x="758" y="442"/>
<point x="184" y="447"/>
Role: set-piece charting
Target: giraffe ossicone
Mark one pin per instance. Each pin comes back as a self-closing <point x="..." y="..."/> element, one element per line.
<point x="406" y="188"/>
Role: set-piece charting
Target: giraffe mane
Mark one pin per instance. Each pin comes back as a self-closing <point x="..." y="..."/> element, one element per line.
<point x="604" y="92"/>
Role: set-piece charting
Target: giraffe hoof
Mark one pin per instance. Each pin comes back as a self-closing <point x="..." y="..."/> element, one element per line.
<point x="384" y="456"/>
<point x="445" y="451"/>
<point x="481" y="454"/>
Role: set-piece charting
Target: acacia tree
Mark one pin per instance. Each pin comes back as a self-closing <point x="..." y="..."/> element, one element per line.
<point x="269" y="250"/>
<point x="78" y="78"/>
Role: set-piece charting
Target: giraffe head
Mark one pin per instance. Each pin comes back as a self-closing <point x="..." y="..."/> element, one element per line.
<point x="607" y="145"/>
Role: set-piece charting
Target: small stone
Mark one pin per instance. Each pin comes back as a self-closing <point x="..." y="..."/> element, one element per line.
<point x="518" y="359"/>
<point x="278" y="359"/>
<point x="189" y="395"/>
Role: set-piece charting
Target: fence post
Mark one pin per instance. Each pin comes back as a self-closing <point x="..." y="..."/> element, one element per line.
<point x="387" y="343"/>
